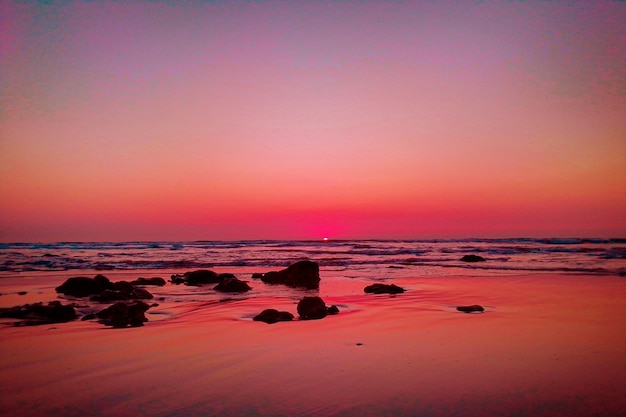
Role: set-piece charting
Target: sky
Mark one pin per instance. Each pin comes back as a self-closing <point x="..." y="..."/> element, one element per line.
<point x="226" y="120"/>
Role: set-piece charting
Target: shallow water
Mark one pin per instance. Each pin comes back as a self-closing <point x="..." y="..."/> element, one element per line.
<point x="361" y="257"/>
<point x="547" y="344"/>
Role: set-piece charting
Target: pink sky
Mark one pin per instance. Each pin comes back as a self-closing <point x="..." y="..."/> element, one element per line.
<point x="261" y="120"/>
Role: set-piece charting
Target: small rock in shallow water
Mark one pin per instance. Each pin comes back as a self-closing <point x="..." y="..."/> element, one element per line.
<point x="232" y="285"/>
<point x="271" y="316"/>
<point x="473" y="258"/>
<point x="471" y="309"/>
<point x="314" y="308"/>
<point x="149" y="281"/>
<point x="383" y="289"/>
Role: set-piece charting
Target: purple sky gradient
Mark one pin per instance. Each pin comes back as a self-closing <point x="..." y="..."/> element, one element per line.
<point x="240" y="119"/>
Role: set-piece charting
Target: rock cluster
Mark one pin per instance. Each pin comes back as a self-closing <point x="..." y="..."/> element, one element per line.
<point x="39" y="313"/>
<point x="309" y="308"/>
<point x="225" y="282"/>
<point x="101" y="289"/>
<point x="128" y="308"/>
<point x="127" y="311"/>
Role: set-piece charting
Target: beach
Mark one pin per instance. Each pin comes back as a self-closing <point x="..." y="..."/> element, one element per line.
<point x="547" y="344"/>
<point x="312" y="208"/>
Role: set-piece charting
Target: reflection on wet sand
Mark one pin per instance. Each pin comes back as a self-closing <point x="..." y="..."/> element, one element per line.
<point x="547" y="345"/>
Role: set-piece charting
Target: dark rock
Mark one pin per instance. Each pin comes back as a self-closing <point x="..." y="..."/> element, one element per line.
<point x="83" y="286"/>
<point x="108" y="296"/>
<point x="123" y="286"/>
<point x="177" y="279"/>
<point x="257" y="275"/>
<point x="221" y="277"/>
<point x="271" y="316"/>
<point x="272" y="277"/>
<point x="22" y="293"/>
<point x="199" y="277"/>
<point x="38" y="313"/>
<point x="141" y="294"/>
<point x="332" y="310"/>
<point x="122" y="315"/>
<point x="383" y="289"/>
<point x="232" y="285"/>
<point x="471" y="309"/>
<point x="472" y="258"/>
<point x="122" y="291"/>
<point x="158" y="281"/>
<point x="304" y="274"/>
<point x="314" y="308"/>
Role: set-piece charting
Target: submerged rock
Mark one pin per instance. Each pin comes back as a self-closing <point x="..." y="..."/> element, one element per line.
<point x="473" y="258"/>
<point x="141" y="294"/>
<point x="225" y="275"/>
<point x="314" y="308"/>
<point x="271" y="316"/>
<point x="332" y="310"/>
<point x="83" y="286"/>
<point x="383" y="289"/>
<point x="158" y="281"/>
<point x="196" y="278"/>
<point x="38" y="313"/>
<point x="122" y="315"/>
<point x="232" y="284"/>
<point x="471" y="309"/>
<point x="304" y="274"/>
<point x="122" y="290"/>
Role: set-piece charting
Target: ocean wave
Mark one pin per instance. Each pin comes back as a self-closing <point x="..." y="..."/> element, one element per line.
<point x="594" y="256"/>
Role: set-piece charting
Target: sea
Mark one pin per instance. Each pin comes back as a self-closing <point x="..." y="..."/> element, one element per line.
<point x="435" y="257"/>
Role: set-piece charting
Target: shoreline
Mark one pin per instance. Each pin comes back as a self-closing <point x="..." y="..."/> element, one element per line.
<point x="547" y="344"/>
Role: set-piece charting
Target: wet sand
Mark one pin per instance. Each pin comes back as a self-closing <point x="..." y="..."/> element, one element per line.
<point x="547" y="345"/>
